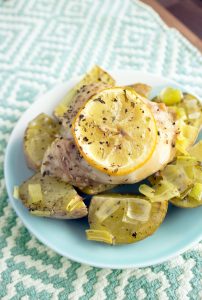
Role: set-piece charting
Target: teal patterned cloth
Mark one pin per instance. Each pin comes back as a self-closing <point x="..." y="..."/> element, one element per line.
<point x="42" y="43"/>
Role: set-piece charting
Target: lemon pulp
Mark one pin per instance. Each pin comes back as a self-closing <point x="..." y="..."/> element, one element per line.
<point x="115" y="131"/>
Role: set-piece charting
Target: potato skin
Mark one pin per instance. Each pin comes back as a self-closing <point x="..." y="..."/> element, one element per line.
<point x="56" y="196"/>
<point x="39" y="134"/>
<point x="97" y="188"/>
<point x="125" y="233"/>
<point x="187" y="202"/>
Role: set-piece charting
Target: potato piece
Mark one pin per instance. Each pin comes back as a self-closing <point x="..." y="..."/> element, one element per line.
<point x="97" y="188"/>
<point x="186" y="202"/>
<point x="191" y="197"/>
<point x="189" y="109"/>
<point x="142" y="89"/>
<point x="39" y="134"/>
<point x="55" y="200"/>
<point x="114" y="220"/>
<point x="96" y="74"/>
<point x="193" y="109"/>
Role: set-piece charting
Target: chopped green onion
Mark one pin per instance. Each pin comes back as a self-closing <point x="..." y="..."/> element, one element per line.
<point x="40" y="213"/>
<point x="196" y="192"/>
<point x="162" y="191"/>
<point x="180" y="112"/>
<point x="186" y="161"/>
<point x="136" y="209"/>
<point x="100" y="236"/>
<point x="196" y="151"/>
<point x="75" y="203"/>
<point x="16" y="192"/>
<point x="170" y="96"/>
<point x="35" y="193"/>
<point x="107" y="208"/>
<point x="176" y="175"/>
<point x="146" y="190"/>
<point x="197" y="173"/>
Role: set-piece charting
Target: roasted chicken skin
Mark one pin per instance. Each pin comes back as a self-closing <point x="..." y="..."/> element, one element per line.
<point x="63" y="159"/>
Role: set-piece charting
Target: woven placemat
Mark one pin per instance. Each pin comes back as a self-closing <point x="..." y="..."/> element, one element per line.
<point x="44" y="42"/>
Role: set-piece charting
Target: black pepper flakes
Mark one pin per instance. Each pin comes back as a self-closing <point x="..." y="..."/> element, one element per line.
<point x="47" y="172"/>
<point x="81" y="117"/>
<point x="99" y="100"/>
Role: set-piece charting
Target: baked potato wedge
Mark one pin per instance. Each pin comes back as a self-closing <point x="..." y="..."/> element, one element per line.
<point x="49" y="197"/>
<point x="123" y="219"/>
<point x="193" y="110"/>
<point x="186" y="202"/>
<point x="97" y="188"/>
<point x="39" y="134"/>
<point x="95" y="75"/>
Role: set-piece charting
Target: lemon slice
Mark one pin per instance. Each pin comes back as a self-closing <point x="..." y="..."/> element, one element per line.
<point x="115" y="131"/>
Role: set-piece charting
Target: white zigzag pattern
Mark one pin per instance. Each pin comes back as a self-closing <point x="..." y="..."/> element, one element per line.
<point x="29" y="282"/>
<point x="39" y="264"/>
<point x="185" y="285"/>
<point x="141" y="295"/>
<point x="79" y="282"/>
<point x="9" y="240"/>
<point x="123" y="281"/>
<point x="150" y="276"/>
<point x="59" y="32"/>
<point x="102" y="282"/>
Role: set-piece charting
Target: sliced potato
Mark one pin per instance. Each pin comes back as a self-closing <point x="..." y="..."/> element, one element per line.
<point x="142" y="89"/>
<point x="193" y="109"/>
<point x="97" y="188"/>
<point x="186" y="202"/>
<point x="56" y="199"/>
<point x="188" y="111"/>
<point x="39" y="134"/>
<point x="111" y="218"/>
<point x="96" y="74"/>
<point x="185" y="175"/>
